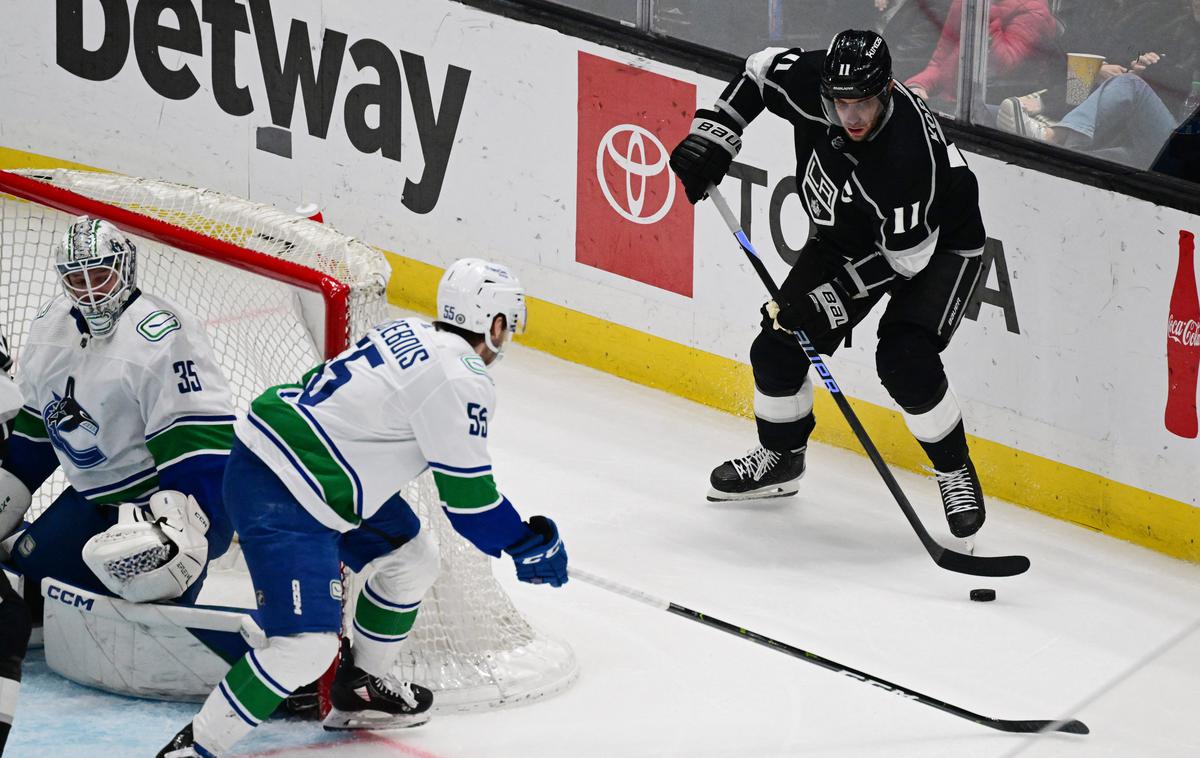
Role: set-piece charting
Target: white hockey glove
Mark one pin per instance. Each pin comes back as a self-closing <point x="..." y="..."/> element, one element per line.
<point x="150" y="556"/>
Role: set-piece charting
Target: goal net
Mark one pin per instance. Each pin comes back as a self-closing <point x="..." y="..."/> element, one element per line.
<point x="277" y="294"/>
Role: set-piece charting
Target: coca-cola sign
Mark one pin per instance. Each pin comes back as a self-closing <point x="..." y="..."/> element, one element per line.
<point x="1183" y="343"/>
<point x="1186" y="333"/>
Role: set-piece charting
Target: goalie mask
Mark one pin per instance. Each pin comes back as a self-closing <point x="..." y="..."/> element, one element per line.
<point x="97" y="265"/>
<point x="473" y="292"/>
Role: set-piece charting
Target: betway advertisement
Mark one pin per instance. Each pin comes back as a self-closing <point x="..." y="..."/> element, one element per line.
<point x="435" y="130"/>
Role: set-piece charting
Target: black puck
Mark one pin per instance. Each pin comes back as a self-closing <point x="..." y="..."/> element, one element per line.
<point x="983" y="596"/>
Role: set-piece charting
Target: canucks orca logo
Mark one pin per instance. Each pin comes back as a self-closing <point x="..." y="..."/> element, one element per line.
<point x="64" y="415"/>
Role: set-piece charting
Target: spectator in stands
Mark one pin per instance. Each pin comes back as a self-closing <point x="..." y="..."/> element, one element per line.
<point x="1023" y="52"/>
<point x="1180" y="157"/>
<point x="1138" y="102"/>
<point x="913" y="26"/>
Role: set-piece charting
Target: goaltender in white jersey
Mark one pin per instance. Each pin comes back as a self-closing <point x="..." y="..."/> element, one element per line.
<point x="122" y="392"/>
<point x="153" y="376"/>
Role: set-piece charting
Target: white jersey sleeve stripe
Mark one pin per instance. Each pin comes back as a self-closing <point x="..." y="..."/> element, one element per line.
<point x="459" y="470"/>
<point x="474" y="510"/>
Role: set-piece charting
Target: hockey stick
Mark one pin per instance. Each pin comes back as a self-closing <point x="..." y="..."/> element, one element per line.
<point x="1003" y="725"/>
<point x="1008" y="565"/>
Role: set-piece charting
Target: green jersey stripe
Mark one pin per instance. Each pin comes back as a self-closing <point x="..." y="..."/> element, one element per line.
<point x="181" y="440"/>
<point x="306" y="449"/>
<point x="29" y="424"/>
<point x="136" y="492"/>
<point x="466" y="492"/>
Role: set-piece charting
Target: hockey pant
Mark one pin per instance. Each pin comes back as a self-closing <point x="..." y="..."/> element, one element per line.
<point x="921" y="316"/>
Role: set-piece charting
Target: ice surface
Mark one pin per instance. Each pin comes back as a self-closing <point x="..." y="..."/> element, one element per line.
<point x="836" y="570"/>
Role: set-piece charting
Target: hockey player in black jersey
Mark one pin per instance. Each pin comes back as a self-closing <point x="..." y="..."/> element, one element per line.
<point x="893" y="209"/>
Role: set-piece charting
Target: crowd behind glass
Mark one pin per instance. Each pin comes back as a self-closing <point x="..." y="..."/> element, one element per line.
<point x="1115" y="79"/>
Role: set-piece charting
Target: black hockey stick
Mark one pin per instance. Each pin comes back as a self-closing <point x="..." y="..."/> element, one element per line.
<point x="1005" y="725"/>
<point x="1008" y="565"/>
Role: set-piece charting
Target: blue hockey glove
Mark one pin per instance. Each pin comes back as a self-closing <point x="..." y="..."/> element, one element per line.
<point x="540" y="557"/>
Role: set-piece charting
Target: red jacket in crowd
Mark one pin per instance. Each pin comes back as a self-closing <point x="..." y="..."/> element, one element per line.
<point x="1020" y="31"/>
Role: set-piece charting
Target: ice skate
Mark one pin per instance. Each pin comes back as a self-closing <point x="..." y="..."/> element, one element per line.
<point x="362" y="701"/>
<point x="962" y="498"/>
<point x="760" y="473"/>
<point x="181" y="745"/>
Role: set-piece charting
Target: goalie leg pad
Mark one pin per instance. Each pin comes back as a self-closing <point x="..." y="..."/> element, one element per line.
<point x="256" y="685"/>
<point x="15" y="499"/>
<point x="390" y="599"/>
<point x="164" y="651"/>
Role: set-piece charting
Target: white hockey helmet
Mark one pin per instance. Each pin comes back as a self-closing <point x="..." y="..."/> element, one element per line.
<point x="473" y="292"/>
<point x="97" y="265"/>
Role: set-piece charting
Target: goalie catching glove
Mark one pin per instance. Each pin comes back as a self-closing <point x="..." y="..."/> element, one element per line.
<point x="540" y="557"/>
<point x="151" y="554"/>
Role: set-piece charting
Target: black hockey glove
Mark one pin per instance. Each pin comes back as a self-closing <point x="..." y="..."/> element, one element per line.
<point x="818" y="314"/>
<point x="704" y="156"/>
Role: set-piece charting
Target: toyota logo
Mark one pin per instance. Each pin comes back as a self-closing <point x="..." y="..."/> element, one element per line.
<point x="638" y="172"/>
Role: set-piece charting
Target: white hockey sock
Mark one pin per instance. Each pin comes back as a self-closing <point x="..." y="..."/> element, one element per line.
<point x="8" y="699"/>
<point x="389" y="600"/>
<point x="380" y="625"/>
<point x="256" y="685"/>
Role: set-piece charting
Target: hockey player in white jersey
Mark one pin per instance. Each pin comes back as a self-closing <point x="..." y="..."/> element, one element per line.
<point x="122" y="392"/>
<point x="317" y="467"/>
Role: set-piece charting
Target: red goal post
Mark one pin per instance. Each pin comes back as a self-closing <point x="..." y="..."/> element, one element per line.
<point x="51" y="188"/>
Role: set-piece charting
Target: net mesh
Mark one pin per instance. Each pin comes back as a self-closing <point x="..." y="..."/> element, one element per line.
<point x="470" y="644"/>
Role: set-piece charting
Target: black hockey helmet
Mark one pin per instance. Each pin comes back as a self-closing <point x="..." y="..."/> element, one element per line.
<point x="857" y="65"/>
